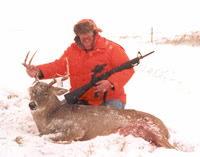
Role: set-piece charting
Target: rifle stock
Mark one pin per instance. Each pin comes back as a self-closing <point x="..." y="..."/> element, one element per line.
<point x="74" y="95"/>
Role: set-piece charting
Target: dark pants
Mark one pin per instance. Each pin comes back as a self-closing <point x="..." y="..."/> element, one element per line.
<point x="113" y="103"/>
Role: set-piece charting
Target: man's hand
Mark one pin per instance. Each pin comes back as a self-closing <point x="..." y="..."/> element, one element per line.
<point x="32" y="71"/>
<point x="103" y="86"/>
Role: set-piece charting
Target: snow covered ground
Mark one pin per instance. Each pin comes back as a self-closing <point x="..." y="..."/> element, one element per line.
<point x="165" y="84"/>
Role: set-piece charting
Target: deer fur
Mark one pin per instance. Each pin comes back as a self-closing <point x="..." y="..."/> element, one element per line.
<point x="80" y="122"/>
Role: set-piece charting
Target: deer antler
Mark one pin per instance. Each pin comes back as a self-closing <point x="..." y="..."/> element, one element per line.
<point x="65" y="77"/>
<point x="24" y="63"/>
<point x="28" y="66"/>
<point x="52" y="82"/>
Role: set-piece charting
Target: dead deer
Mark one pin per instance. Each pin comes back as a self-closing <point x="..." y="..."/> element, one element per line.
<point x="81" y="122"/>
<point x="67" y="122"/>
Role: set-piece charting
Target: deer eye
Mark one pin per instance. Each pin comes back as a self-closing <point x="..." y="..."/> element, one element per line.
<point x="45" y="94"/>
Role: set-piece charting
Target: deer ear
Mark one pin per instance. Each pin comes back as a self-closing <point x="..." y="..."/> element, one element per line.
<point x="60" y="91"/>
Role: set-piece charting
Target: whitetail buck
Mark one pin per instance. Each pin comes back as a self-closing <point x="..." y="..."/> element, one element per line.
<point x="81" y="122"/>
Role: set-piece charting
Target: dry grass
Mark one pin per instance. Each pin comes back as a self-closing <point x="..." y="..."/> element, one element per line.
<point x="192" y="39"/>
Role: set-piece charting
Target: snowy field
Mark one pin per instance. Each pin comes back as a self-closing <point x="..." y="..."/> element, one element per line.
<point x="166" y="84"/>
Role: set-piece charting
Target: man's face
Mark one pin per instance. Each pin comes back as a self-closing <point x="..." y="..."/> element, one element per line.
<point x="87" y="39"/>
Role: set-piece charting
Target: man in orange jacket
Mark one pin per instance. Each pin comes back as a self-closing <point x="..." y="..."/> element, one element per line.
<point x="89" y="50"/>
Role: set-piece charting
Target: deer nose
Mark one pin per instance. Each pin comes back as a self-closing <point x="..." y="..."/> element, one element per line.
<point x="32" y="105"/>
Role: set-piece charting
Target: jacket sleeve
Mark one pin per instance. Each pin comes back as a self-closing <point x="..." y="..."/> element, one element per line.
<point x="54" y="69"/>
<point x="118" y="57"/>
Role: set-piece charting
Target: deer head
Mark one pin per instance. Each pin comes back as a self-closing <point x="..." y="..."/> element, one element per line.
<point x="42" y="93"/>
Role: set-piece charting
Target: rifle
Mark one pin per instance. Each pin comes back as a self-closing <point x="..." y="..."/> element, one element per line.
<point x="74" y="95"/>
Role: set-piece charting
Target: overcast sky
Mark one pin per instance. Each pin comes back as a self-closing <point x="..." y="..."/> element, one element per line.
<point x="116" y="16"/>
<point x="47" y="25"/>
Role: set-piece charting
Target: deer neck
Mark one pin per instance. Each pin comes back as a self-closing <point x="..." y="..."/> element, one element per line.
<point x="43" y="116"/>
<point x="52" y="106"/>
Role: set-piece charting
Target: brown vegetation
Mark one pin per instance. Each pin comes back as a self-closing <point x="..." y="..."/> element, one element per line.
<point x="192" y="39"/>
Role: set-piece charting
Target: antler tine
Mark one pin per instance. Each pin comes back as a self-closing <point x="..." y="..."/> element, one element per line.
<point x="32" y="58"/>
<point x="24" y="63"/>
<point x="67" y="66"/>
<point x="36" y="80"/>
<point x="67" y="75"/>
<point x="52" y="82"/>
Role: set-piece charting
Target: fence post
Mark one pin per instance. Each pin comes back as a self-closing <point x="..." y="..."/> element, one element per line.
<point x="152" y="34"/>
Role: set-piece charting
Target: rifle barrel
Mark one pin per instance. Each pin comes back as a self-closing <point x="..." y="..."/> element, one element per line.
<point x="148" y="54"/>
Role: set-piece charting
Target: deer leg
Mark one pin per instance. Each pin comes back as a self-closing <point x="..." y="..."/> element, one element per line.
<point x="165" y="143"/>
<point x="68" y="135"/>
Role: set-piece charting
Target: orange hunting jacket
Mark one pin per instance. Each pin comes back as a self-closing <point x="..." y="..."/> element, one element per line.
<point x="81" y="63"/>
